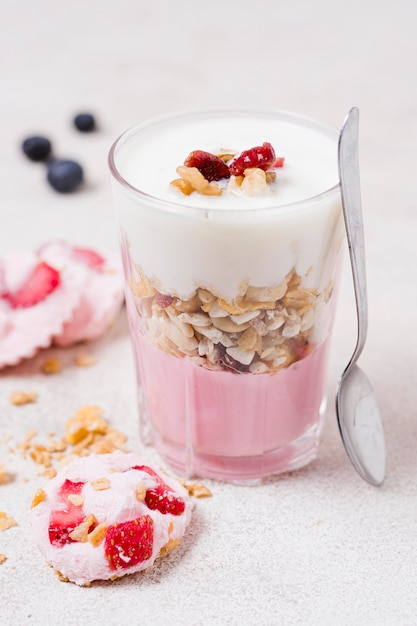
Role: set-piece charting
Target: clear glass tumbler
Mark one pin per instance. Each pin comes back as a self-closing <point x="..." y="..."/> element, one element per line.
<point x="230" y="300"/>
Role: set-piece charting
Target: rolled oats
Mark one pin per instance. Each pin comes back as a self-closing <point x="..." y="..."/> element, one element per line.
<point x="242" y="356"/>
<point x="262" y="330"/>
<point x="226" y="325"/>
<point x="248" y="339"/>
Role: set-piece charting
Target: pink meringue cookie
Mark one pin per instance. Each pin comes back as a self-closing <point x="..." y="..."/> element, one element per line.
<point x="101" y="297"/>
<point x="29" y="321"/>
<point x="108" y="515"/>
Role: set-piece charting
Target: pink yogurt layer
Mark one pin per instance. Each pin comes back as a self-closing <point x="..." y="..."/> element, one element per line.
<point x="231" y="426"/>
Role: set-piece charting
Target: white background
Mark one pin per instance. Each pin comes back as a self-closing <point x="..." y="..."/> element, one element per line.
<point x="316" y="547"/>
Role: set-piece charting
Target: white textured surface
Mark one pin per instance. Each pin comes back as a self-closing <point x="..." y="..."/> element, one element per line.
<point x="316" y="547"/>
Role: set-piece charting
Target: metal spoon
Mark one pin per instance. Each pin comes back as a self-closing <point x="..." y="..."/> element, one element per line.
<point x="356" y="407"/>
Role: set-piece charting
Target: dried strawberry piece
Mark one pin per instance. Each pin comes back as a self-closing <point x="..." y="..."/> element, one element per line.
<point x="42" y="281"/>
<point x="63" y="521"/>
<point x="70" y="488"/>
<point x="209" y="165"/>
<point x="262" y="157"/>
<point x="129" y="543"/>
<point x="161" y="497"/>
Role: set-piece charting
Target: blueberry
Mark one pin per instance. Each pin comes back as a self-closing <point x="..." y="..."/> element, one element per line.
<point x="37" y="148"/>
<point x="64" y="175"/>
<point x="84" y="122"/>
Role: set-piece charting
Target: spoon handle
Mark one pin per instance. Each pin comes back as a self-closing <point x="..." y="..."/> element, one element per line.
<point x="352" y="210"/>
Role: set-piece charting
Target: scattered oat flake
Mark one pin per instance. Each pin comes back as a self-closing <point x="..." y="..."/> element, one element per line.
<point x="19" y="398"/>
<point x="39" y="496"/>
<point x="84" y="359"/>
<point x="4" y="476"/>
<point x="40" y="456"/>
<point x="3" y="558"/>
<point x="26" y="444"/>
<point x="86" y="420"/>
<point x="198" y="490"/>
<point x="51" y="366"/>
<point x="50" y="472"/>
<point x="86" y="433"/>
<point x="6" y="521"/>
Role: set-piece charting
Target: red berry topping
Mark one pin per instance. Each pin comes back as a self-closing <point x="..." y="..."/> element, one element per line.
<point x="42" y="281"/>
<point x="129" y="543"/>
<point x="262" y="157"/>
<point x="161" y="497"/>
<point x="63" y="521"/>
<point x="88" y="257"/>
<point x="279" y="162"/>
<point x="210" y="165"/>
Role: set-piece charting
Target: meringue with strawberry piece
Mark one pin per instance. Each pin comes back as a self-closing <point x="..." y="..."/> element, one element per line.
<point x="36" y="300"/>
<point x="61" y="294"/>
<point x="101" y="298"/>
<point x="108" y="515"/>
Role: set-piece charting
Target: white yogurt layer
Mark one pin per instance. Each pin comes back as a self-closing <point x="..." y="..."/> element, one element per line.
<point x="224" y="242"/>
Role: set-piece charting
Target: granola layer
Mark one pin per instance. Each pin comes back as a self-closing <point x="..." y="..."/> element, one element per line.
<point x="262" y="331"/>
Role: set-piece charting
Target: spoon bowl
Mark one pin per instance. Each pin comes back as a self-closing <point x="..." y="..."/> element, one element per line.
<point x="356" y="406"/>
<point x="360" y="426"/>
